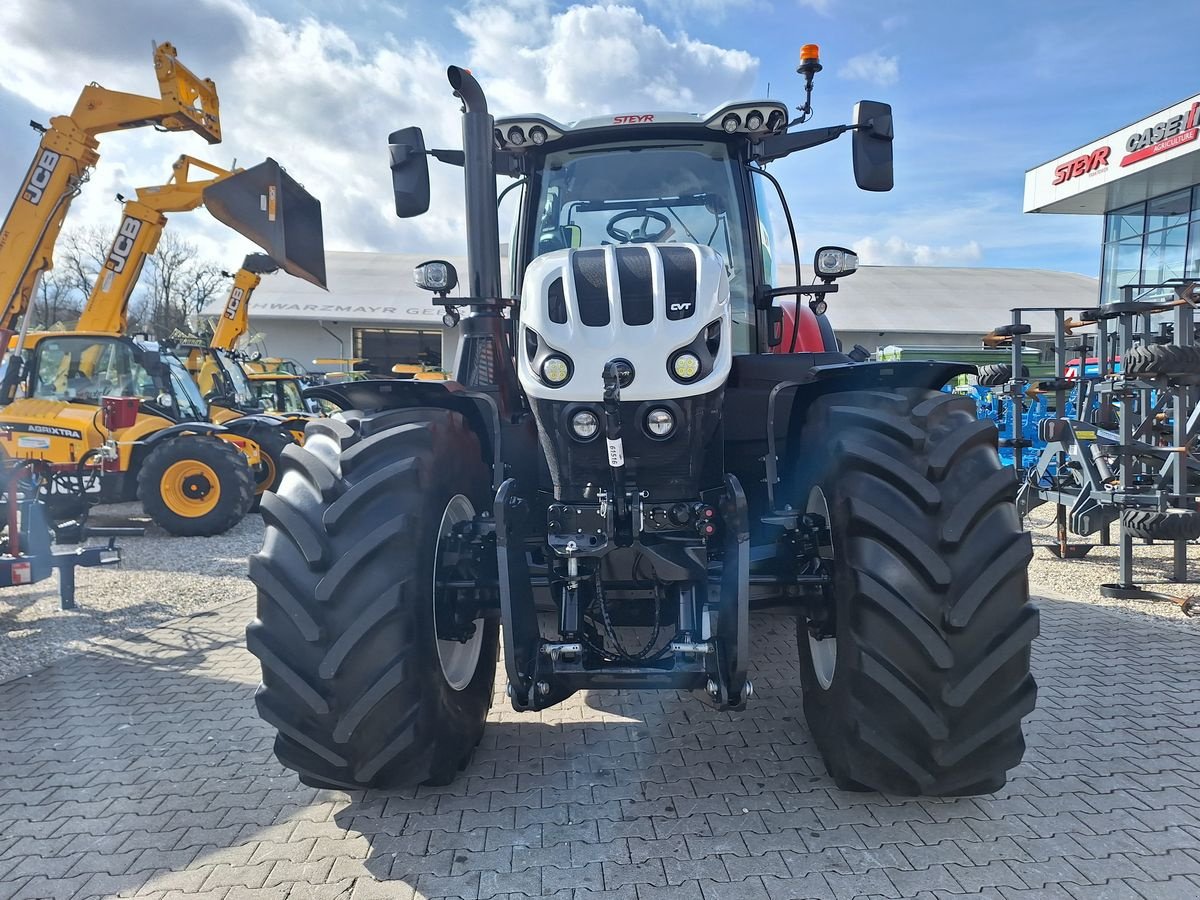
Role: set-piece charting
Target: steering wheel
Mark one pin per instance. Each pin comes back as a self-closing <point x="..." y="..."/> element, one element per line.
<point x="639" y="235"/>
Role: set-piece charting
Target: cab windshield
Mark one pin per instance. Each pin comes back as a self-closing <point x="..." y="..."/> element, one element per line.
<point x="279" y="395"/>
<point x="235" y="377"/>
<point x="663" y="191"/>
<point x="84" y="369"/>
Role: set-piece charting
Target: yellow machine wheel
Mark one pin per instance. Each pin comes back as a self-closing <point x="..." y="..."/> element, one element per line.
<point x="190" y="488"/>
<point x="195" y="484"/>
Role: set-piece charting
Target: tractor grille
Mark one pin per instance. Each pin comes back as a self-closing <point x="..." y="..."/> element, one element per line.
<point x="591" y="286"/>
<point x="637" y="286"/>
<point x="679" y="267"/>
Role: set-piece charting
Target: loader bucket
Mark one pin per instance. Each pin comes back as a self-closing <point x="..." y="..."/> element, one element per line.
<point x="270" y="207"/>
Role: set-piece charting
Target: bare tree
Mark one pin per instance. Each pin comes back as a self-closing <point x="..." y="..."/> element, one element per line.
<point x="175" y="286"/>
<point x="63" y="291"/>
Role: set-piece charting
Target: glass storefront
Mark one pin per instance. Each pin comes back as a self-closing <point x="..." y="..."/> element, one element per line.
<point x="1151" y="242"/>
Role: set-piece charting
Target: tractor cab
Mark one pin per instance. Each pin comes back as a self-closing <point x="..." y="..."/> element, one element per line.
<point x="221" y="380"/>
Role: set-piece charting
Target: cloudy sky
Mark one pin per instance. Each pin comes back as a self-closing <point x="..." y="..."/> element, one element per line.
<point x="982" y="91"/>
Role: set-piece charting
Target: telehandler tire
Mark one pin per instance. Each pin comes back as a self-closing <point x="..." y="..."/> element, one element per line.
<point x="922" y="686"/>
<point x="355" y="680"/>
<point x="195" y="485"/>
<point x="271" y="442"/>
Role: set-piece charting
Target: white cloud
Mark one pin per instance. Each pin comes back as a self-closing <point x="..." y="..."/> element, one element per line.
<point x="895" y="251"/>
<point x="322" y="101"/>
<point x="873" y="67"/>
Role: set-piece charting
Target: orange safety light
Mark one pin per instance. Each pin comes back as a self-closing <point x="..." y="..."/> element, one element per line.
<point x="809" y="51"/>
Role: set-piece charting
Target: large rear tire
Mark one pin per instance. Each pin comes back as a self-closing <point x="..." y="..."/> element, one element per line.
<point x="923" y="684"/>
<point x="361" y="691"/>
<point x="195" y="485"/>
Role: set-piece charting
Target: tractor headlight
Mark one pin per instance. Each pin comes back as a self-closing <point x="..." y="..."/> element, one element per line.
<point x="686" y="366"/>
<point x="731" y="123"/>
<point x="516" y="136"/>
<point x="754" y="120"/>
<point x="660" y="423"/>
<point x="538" y="135"/>
<point x="585" y="424"/>
<point x="556" y="370"/>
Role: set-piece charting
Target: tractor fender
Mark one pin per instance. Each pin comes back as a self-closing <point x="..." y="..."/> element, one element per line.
<point x="251" y="421"/>
<point x="509" y="454"/>
<point x="859" y="376"/>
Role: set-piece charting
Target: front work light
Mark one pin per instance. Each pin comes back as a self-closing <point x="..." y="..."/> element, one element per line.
<point x="556" y="370"/>
<point x="731" y="123"/>
<point x="436" y="275"/>
<point x="585" y="424"/>
<point x="660" y="422"/>
<point x="686" y="366"/>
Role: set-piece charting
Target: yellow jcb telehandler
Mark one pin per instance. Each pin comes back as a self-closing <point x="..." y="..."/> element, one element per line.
<point x="193" y="476"/>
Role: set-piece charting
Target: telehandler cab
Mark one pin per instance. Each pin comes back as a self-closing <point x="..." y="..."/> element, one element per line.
<point x="623" y="469"/>
<point x="195" y="472"/>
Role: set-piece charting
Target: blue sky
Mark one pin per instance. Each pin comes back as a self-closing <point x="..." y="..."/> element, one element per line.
<point x="982" y="91"/>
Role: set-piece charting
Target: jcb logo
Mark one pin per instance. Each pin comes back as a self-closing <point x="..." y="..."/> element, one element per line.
<point x="39" y="179"/>
<point x="235" y="302"/>
<point x="118" y="256"/>
<point x="680" y="307"/>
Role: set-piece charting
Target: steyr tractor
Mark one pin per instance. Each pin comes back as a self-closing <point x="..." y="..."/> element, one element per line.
<point x="623" y="468"/>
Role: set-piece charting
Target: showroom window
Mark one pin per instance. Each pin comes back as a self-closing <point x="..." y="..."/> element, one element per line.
<point x="1151" y="242"/>
<point x="387" y="347"/>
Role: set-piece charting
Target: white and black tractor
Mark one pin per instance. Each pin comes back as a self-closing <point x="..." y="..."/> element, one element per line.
<point x="645" y="440"/>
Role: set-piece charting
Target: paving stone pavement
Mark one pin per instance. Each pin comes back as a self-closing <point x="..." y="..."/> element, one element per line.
<point x="140" y="769"/>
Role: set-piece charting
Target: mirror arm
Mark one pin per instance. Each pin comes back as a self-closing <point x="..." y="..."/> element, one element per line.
<point x="815" y="289"/>
<point x="777" y="146"/>
<point x="449" y="157"/>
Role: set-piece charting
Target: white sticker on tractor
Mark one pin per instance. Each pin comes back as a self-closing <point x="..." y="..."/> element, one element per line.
<point x="34" y="443"/>
<point x="22" y="573"/>
<point x="616" y="453"/>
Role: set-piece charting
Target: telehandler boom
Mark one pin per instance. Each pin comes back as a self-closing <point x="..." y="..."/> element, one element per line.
<point x="68" y="150"/>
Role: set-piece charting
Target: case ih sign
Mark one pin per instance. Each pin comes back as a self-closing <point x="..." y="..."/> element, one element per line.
<point x="1155" y="156"/>
<point x="1163" y="136"/>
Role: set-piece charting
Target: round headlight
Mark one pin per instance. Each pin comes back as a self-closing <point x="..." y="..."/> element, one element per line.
<point x="556" y="370"/>
<point x="516" y="136"/>
<point x="538" y="135"/>
<point x="754" y="120"/>
<point x="731" y="123"/>
<point x="660" y="422"/>
<point x="686" y="366"/>
<point x="585" y="424"/>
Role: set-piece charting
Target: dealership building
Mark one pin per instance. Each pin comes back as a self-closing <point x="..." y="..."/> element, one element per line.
<point x="373" y="310"/>
<point x="1145" y="180"/>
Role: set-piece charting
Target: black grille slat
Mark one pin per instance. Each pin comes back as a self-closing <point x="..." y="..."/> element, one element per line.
<point x="591" y="286"/>
<point x="635" y="276"/>
<point x="679" y="271"/>
<point x="557" y="302"/>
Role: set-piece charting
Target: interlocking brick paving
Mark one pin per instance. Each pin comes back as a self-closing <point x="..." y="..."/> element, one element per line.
<point x="140" y="769"/>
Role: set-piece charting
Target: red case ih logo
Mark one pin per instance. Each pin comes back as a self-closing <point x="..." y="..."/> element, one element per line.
<point x="633" y="120"/>
<point x="1174" y="132"/>
<point x="1082" y="165"/>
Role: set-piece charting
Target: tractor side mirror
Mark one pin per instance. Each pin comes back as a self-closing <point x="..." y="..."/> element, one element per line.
<point x="410" y="172"/>
<point x="873" y="145"/>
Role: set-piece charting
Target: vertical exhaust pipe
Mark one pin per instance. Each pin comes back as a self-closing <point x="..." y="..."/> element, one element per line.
<point x="484" y="361"/>
<point x="483" y="224"/>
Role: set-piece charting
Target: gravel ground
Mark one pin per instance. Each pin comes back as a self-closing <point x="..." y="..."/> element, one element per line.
<point x="164" y="577"/>
<point x="1080" y="579"/>
<point x="161" y="578"/>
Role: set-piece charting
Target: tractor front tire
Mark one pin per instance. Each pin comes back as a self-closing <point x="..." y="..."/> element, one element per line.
<point x="918" y="684"/>
<point x="359" y="688"/>
<point x="1161" y="360"/>
<point x="195" y="485"/>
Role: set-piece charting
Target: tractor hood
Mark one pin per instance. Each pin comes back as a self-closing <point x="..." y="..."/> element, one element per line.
<point x="641" y="303"/>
